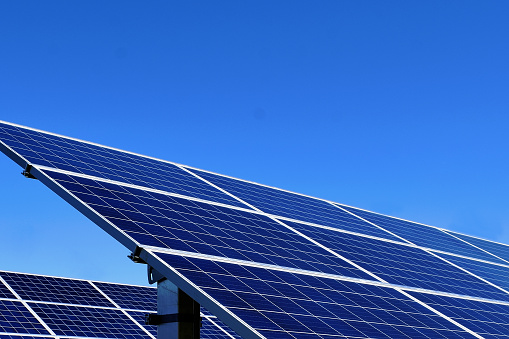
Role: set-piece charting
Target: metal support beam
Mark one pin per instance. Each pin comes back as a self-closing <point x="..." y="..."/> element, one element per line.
<point x="178" y="315"/>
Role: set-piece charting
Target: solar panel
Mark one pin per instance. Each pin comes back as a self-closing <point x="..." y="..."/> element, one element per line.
<point x="425" y="236"/>
<point x="42" y="305"/>
<point x="267" y="262"/>
<point x="494" y="248"/>
<point x="494" y="273"/>
<point x="488" y="319"/>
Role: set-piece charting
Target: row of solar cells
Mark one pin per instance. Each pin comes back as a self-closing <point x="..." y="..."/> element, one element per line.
<point x="174" y="223"/>
<point x="80" y="157"/>
<point x="281" y="304"/>
<point x="71" y="307"/>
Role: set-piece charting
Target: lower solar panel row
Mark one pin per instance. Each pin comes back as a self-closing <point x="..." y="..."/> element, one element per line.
<point x="32" y="287"/>
<point x="86" y="322"/>
<point x="75" y="308"/>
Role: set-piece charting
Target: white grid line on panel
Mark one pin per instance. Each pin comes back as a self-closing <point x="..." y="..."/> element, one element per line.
<point x="441" y="314"/>
<point x="24" y="335"/>
<point x="439" y="257"/>
<point x="473" y="236"/>
<point x="219" y="327"/>
<point x="215" y="186"/>
<point x="77" y="305"/>
<point x="475" y="275"/>
<point x="28" y="307"/>
<point x="76" y="279"/>
<point x="479" y="248"/>
<point x="122" y="310"/>
<point x="465" y="257"/>
<point x="373" y="224"/>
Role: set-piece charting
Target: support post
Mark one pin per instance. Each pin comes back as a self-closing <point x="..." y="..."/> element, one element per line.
<point x="178" y="315"/>
<point x="167" y="303"/>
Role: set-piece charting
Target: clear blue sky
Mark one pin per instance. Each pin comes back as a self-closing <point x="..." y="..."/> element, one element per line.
<point x="400" y="107"/>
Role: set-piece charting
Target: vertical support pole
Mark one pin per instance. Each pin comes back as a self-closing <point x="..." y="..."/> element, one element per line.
<point x="188" y="306"/>
<point x="173" y="301"/>
<point x="167" y="303"/>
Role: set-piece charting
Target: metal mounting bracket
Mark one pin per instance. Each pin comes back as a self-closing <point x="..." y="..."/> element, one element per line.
<point x="158" y="319"/>
<point x="26" y="172"/>
<point x="135" y="256"/>
<point x="154" y="276"/>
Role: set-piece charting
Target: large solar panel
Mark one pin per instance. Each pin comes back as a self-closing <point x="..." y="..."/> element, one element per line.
<point x="268" y="262"/>
<point x="69" y="308"/>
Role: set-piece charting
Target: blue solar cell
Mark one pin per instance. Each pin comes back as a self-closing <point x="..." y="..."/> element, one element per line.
<point x="8" y="336"/>
<point x="489" y="320"/>
<point x="401" y="264"/>
<point x="500" y="250"/>
<point x="213" y="328"/>
<point x="16" y="318"/>
<point x="4" y="292"/>
<point x="140" y="318"/>
<point x="88" y="322"/>
<point x="496" y="274"/>
<point x="51" y="289"/>
<point x="334" y="308"/>
<point x="45" y="149"/>
<point x="130" y="297"/>
<point x="424" y="236"/>
<point x="291" y="205"/>
<point x="170" y="222"/>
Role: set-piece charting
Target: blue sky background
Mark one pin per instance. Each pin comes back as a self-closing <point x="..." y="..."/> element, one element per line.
<point x="400" y="107"/>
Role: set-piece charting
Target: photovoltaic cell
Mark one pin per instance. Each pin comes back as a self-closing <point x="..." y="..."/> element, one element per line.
<point x="80" y="157"/>
<point x="424" y="236"/>
<point x="294" y="206"/>
<point x="401" y="264"/>
<point x="286" y="305"/>
<point x="100" y="323"/>
<point x="130" y="297"/>
<point x="67" y="291"/>
<point x="495" y="274"/>
<point x="16" y="318"/>
<point x="490" y="320"/>
<point x="500" y="250"/>
<point x="4" y="292"/>
<point x="170" y="222"/>
<point x="213" y="328"/>
<point x="140" y="318"/>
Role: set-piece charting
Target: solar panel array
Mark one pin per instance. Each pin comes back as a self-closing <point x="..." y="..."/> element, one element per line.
<point x="35" y="306"/>
<point x="272" y="263"/>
